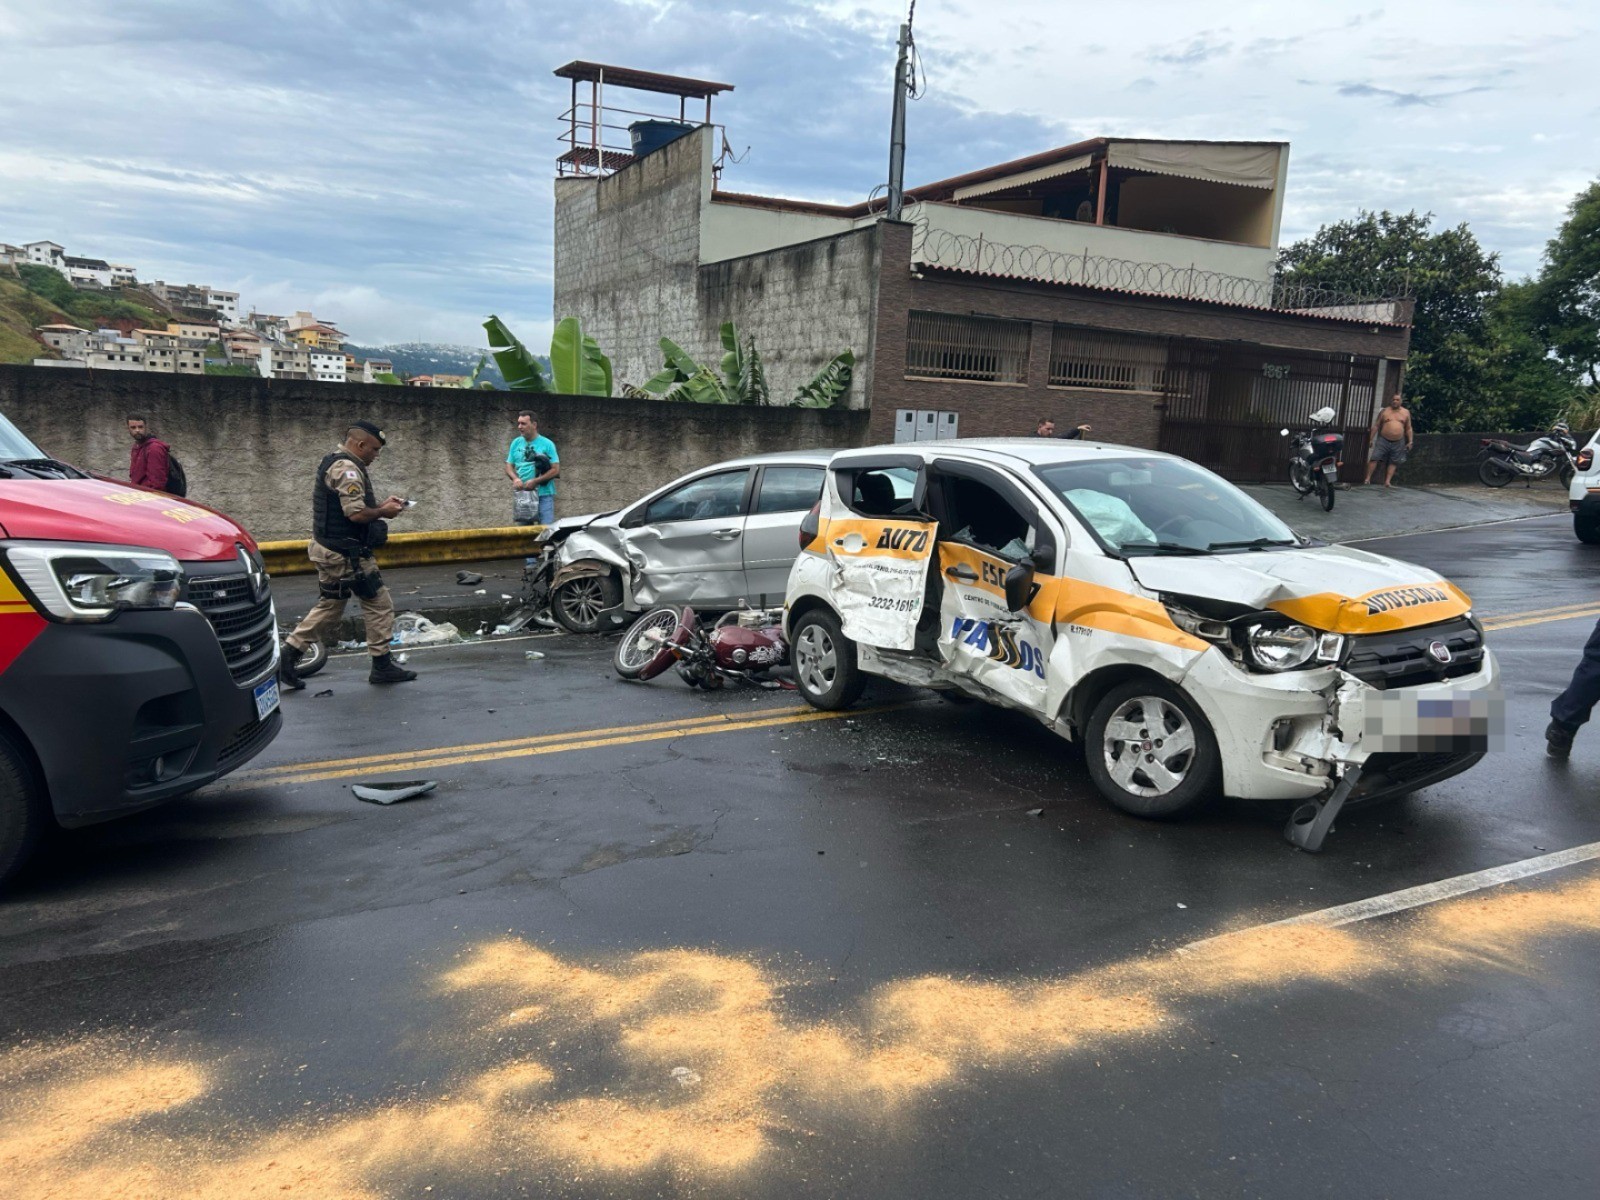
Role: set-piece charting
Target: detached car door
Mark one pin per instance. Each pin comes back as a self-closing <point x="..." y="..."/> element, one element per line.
<point x="878" y="543"/>
<point x="783" y="496"/>
<point x="687" y="542"/>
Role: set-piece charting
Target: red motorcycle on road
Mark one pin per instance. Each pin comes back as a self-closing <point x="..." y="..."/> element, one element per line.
<point x="743" y="645"/>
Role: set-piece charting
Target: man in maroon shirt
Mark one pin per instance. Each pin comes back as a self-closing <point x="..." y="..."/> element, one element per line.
<point x="148" y="464"/>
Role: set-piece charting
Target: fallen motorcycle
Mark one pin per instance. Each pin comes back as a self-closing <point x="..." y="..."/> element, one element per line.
<point x="1500" y="462"/>
<point x="743" y="645"/>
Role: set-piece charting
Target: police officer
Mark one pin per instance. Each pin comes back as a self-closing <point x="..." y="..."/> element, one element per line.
<point x="349" y="524"/>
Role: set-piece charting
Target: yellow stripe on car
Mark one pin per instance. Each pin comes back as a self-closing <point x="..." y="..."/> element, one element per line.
<point x="1382" y="611"/>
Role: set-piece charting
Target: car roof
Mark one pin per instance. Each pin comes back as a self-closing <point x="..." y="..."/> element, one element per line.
<point x="1026" y="451"/>
<point x="799" y="458"/>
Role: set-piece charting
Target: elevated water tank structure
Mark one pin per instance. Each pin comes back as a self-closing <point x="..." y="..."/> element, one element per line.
<point x="603" y="137"/>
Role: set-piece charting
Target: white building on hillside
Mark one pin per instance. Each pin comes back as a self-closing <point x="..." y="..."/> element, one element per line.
<point x="327" y="366"/>
<point x="373" y="367"/>
<point x="225" y="303"/>
<point x="46" y="254"/>
<point x="285" y="362"/>
<point x="87" y="272"/>
<point x="122" y="275"/>
<point x="71" y="340"/>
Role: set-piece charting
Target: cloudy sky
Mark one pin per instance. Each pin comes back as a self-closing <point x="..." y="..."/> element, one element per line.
<point x="388" y="162"/>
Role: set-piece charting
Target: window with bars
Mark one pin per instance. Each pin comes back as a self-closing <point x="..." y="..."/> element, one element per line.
<point x="986" y="349"/>
<point x="1114" y="361"/>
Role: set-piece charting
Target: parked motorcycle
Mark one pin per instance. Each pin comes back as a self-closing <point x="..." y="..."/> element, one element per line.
<point x="743" y="645"/>
<point x="1315" y="458"/>
<point x="1553" y="455"/>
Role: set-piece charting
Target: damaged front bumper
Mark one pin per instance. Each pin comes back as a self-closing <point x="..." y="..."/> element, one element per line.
<point x="1324" y="737"/>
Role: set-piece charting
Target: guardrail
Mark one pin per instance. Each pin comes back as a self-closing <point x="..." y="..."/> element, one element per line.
<point x="417" y="549"/>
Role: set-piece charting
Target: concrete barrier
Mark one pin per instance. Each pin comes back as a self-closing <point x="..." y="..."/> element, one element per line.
<point x="417" y="549"/>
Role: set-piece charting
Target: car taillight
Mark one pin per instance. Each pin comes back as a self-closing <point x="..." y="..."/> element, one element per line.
<point x="810" y="524"/>
<point x="1585" y="459"/>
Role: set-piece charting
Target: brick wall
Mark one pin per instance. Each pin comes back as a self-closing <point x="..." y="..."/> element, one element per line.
<point x="627" y="247"/>
<point x="250" y="446"/>
<point x="1006" y="409"/>
<point x="802" y="304"/>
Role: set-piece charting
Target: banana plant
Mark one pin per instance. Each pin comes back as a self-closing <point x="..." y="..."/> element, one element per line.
<point x="827" y="385"/>
<point x="577" y="366"/>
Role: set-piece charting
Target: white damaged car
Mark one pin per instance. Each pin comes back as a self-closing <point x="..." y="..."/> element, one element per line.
<point x="1138" y="603"/>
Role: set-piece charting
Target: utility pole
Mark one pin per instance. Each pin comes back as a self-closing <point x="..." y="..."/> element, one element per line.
<point x="897" y="131"/>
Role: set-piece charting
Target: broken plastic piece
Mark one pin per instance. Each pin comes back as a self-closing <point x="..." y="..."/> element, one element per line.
<point x="322" y="693"/>
<point x="414" y="629"/>
<point x="393" y="793"/>
<point x="533" y="655"/>
<point x="468" y="578"/>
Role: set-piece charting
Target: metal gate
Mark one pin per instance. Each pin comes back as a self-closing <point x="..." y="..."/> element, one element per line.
<point x="1225" y="405"/>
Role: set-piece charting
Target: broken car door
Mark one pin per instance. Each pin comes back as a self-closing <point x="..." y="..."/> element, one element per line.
<point x="686" y="543"/>
<point x="878" y="542"/>
<point x="992" y="533"/>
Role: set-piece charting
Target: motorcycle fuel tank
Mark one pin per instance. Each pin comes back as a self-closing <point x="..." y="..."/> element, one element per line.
<point x="742" y="649"/>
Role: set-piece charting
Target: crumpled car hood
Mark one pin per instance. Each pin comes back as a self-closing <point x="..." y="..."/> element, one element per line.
<point x="1334" y="588"/>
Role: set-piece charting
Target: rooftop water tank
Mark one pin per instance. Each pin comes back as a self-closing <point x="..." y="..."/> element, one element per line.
<point x="650" y="136"/>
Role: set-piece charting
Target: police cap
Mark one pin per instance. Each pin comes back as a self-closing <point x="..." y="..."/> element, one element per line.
<point x="369" y="427"/>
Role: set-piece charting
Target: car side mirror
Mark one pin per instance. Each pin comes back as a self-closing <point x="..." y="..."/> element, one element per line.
<point x="1019" y="585"/>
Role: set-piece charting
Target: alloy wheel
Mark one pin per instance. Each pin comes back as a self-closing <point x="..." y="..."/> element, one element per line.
<point x="816" y="660"/>
<point x="1149" y="746"/>
<point x="582" y="600"/>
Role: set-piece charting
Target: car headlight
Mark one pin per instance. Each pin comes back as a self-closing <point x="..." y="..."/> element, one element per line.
<point x="86" y="583"/>
<point x="1282" y="647"/>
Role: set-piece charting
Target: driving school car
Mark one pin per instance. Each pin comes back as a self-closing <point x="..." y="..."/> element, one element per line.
<point x="1138" y="603"/>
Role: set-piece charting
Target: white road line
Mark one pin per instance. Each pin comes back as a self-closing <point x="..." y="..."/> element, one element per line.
<point x="1389" y="537"/>
<point x="1427" y="893"/>
<point x="485" y="641"/>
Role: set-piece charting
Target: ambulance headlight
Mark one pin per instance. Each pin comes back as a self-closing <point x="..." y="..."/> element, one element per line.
<point x="1281" y="647"/>
<point x="81" y="583"/>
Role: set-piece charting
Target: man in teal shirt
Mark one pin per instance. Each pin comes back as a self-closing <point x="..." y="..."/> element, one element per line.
<point x="532" y="465"/>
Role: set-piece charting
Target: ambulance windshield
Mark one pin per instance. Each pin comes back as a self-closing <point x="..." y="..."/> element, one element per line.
<point x="1163" y="506"/>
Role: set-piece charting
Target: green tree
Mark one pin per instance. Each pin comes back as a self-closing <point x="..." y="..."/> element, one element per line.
<point x="1450" y="370"/>
<point x="1564" y="306"/>
<point x="1529" y="388"/>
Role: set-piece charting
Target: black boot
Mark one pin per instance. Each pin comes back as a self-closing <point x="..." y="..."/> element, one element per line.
<point x="386" y="670"/>
<point x="288" y="668"/>
<point x="1558" y="740"/>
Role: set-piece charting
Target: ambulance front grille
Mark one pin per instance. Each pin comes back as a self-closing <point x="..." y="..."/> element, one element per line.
<point x="1402" y="659"/>
<point x="243" y="624"/>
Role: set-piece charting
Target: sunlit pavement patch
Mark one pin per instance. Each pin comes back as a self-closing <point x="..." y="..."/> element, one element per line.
<point x="689" y="1061"/>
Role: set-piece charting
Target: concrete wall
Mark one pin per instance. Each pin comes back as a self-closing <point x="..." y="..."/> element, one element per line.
<point x="1453" y="457"/>
<point x="249" y="446"/>
<point x="802" y="305"/>
<point x="626" y="250"/>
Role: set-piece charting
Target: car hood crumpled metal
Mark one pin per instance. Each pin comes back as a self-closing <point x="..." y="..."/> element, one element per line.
<point x="1331" y="587"/>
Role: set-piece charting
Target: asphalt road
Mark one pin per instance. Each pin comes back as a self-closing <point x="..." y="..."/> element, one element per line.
<point x="645" y="941"/>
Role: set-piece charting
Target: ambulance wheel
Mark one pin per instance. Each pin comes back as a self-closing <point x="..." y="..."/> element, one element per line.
<point x="825" y="671"/>
<point x="22" y="810"/>
<point x="1150" y="752"/>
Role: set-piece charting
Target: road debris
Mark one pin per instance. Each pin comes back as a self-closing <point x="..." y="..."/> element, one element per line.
<point x="393" y="793"/>
<point x="414" y="629"/>
<point x="468" y="578"/>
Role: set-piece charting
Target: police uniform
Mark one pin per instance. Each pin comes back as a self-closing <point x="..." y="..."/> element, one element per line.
<point x="341" y="548"/>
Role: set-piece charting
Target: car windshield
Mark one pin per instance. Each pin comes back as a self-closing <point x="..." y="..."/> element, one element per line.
<point x="1163" y="506"/>
<point x="13" y="445"/>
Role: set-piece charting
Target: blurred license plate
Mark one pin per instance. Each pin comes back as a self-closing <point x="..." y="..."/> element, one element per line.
<point x="1330" y="470"/>
<point x="266" y="698"/>
<point x="1447" y="723"/>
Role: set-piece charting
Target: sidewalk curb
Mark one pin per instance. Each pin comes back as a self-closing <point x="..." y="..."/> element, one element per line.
<point x="417" y="549"/>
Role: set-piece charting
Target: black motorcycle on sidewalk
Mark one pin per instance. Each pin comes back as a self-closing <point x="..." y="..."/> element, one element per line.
<point x="1315" y="457"/>
<point x="1548" y="457"/>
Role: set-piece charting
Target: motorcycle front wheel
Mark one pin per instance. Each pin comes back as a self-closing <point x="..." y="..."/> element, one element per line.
<point x="643" y="652"/>
<point x="1300" y="477"/>
<point x="1493" y="474"/>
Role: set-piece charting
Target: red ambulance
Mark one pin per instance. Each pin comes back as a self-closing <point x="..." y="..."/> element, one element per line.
<point x="138" y="647"/>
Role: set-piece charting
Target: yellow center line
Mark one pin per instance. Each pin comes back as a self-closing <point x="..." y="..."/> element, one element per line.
<point x="412" y="761"/>
<point x="514" y="743"/>
<point x="1513" y="621"/>
<point x="1543" y="612"/>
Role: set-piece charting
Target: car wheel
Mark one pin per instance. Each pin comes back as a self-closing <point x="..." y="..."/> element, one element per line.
<point x="312" y="660"/>
<point x="23" y="815"/>
<point x="1587" y="529"/>
<point x="578" y="603"/>
<point x="1150" y="752"/>
<point x="824" y="661"/>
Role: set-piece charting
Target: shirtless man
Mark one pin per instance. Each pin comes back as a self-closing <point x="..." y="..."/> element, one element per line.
<point x="1391" y="439"/>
